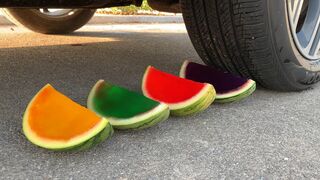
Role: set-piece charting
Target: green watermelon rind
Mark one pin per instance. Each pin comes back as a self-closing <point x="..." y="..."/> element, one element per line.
<point x="148" y="122"/>
<point x="244" y="88"/>
<point x="142" y="121"/>
<point x="238" y="97"/>
<point x="199" y="106"/>
<point x="105" y="134"/>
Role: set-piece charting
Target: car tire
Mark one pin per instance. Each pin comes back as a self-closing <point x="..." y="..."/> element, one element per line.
<point x="46" y="23"/>
<point x="252" y="38"/>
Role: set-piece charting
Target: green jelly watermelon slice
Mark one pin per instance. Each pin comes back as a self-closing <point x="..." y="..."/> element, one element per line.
<point x="229" y="87"/>
<point x="183" y="96"/>
<point x="125" y="109"/>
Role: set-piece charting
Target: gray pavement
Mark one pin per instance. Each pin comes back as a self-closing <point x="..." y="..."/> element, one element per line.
<point x="270" y="135"/>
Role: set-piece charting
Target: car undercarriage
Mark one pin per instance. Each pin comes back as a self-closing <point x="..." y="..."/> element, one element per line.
<point x="162" y="5"/>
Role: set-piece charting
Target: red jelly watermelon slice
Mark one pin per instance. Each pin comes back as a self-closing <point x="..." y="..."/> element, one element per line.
<point x="183" y="96"/>
<point x="229" y="87"/>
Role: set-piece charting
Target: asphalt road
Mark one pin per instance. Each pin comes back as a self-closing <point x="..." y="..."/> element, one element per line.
<point x="269" y="135"/>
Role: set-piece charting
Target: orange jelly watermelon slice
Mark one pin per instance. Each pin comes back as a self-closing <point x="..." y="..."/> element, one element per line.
<point x="53" y="121"/>
<point x="183" y="96"/>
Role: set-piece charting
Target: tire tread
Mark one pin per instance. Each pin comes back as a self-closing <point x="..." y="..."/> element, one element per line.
<point x="234" y="35"/>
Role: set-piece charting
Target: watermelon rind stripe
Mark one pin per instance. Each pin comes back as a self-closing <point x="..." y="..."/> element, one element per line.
<point x="207" y="89"/>
<point x="239" y="97"/>
<point x="137" y="122"/>
<point x="161" y="108"/>
<point x="182" y="72"/>
<point x="247" y="86"/>
<point x="202" y="104"/>
<point x="102" y="136"/>
<point x="148" y="122"/>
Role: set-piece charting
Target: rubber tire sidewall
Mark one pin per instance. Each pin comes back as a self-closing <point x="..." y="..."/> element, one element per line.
<point x="41" y="23"/>
<point x="297" y="67"/>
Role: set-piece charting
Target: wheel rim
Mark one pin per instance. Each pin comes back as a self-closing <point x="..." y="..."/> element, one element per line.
<point x="304" y="17"/>
<point x="56" y="13"/>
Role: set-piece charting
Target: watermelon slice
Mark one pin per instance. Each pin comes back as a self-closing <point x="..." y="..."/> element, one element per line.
<point x="125" y="109"/>
<point x="183" y="96"/>
<point x="55" y="122"/>
<point x="229" y="87"/>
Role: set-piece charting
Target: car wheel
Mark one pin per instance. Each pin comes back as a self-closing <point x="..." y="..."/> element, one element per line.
<point x="50" y="21"/>
<point x="276" y="42"/>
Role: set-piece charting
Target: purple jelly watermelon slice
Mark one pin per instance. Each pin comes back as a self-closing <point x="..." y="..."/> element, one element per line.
<point x="229" y="87"/>
<point x="183" y="96"/>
